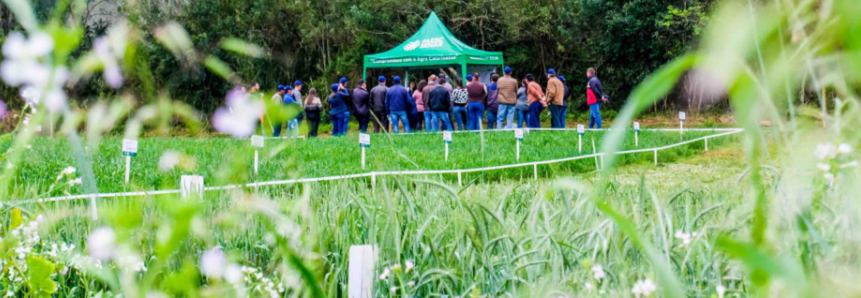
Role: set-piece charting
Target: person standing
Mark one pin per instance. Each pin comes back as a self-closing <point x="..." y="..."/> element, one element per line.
<point x="492" y="102"/>
<point x="477" y="98"/>
<point x="446" y="82"/>
<point x="522" y="105"/>
<point x="422" y="120"/>
<point x="361" y="99"/>
<point x="439" y="105"/>
<point x="278" y="98"/>
<point x="432" y="83"/>
<point x="565" y="101"/>
<point x="348" y="101"/>
<point x="313" y="107"/>
<point x="397" y="102"/>
<point x="537" y="102"/>
<point x="460" y="99"/>
<point x="338" y="109"/>
<point x="555" y="95"/>
<point x="378" y="105"/>
<point x="297" y="96"/>
<point x="594" y="97"/>
<point x="507" y="87"/>
<point x="292" y="105"/>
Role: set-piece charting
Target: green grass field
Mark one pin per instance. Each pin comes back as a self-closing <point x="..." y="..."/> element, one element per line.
<point x="229" y="161"/>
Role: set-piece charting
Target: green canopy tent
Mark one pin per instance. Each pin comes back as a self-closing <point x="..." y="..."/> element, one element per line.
<point x="433" y="45"/>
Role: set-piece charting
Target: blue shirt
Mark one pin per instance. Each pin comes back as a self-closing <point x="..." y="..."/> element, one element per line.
<point x="397" y="99"/>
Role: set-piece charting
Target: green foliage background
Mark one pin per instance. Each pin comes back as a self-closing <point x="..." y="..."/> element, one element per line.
<point x="318" y="41"/>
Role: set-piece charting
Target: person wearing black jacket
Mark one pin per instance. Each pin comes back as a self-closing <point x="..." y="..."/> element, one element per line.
<point x="361" y="106"/>
<point x="378" y="105"/>
<point x="439" y="104"/>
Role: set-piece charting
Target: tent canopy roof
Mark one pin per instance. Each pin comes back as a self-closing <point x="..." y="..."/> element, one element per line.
<point x="433" y="44"/>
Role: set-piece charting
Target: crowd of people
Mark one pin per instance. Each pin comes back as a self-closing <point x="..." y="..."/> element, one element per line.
<point x="439" y="103"/>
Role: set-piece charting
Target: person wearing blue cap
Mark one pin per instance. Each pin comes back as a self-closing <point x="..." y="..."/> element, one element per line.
<point x="565" y="101"/>
<point x="297" y="96"/>
<point x="338" y="109"/>
<point x="290" y="103"/>
<point x="397" y="104"/>
<point x="507" y="87"/>
<point x="555" y="95"/>
<point x="378" y="105"/>
<point x="477" y="99"/>
<point x="278" y="98"/>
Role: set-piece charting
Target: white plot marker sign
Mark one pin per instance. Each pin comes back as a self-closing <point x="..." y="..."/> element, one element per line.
<point x="364" y="142"/>
<point x="581" y="129"/>
<point x="446" y="138"/>
<point x="360" y="278"/>
<point x="637" y="134"/>
<point x="681" y="122"/>
<point x="130" y="149"/>
<point x="257" y="142"/>
<point x="518" y="136"/>
<point x="191" y="185"/>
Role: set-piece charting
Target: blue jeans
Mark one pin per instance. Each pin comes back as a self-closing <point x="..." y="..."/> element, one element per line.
<point x="522" y="117"/>
<point x="430" y="122"/>
<point x="293" y="128"/>
<point x="535" y="110"/>
<point x="276" y="131"/>
<point x="506" y="113"/>
<point x="564" y="114"/>
<point x="339" y="121"/>
<point x="460" y="116"/>
<point x="441" y="117"/>
<point x="476" y="112"/>
<point x="402" y="115"/>
<point x="595" y="115"/>
<point x="556" y="116"/>
<point x="491" y="119"/>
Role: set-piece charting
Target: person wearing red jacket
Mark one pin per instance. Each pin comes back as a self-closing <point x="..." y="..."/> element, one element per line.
<point x="594" y="97"/>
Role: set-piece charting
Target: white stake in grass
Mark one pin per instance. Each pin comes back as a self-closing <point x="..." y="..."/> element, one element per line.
<point x="518" y="136"/>
<point x="446" y="138"/>
<point x="363" y="262"/>
<point x="681" y="122"/>
<point x="191" y="185"/>
<point x="130" y="149"/>
<point x="636" y="134"/>
<point x="257" y="143"/>
<point x="364" y="142"/>
<point x="581" y="129"/>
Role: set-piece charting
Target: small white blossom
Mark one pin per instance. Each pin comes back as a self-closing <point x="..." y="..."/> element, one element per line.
<point x="411" y="283"/>
<point x="825" y="151"/>
<point x="598" y="272"/>
<point x="721" y="290"/>
<point x="169" y="159"/>
<point x="844" y="148"/>
<point x="409" y="266"/>
<point x="393" y="290"/>
<point x="239" y="118"/>
<point x="588" y="286"/>
<point x="101" y="243"/>
<point x="233" y="273"/>
<point x="213" y="262"/>
<point x="643" y="288"/>
<point x="69" y="171"/>
<point x="75" y="181"/>
<point x="824" y="167"/>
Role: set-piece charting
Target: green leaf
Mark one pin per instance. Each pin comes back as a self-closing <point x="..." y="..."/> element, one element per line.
<point x="219" y="67"/>
<point x="242" y="47"/>
<point x="16" y="219"/>
<point x="39" y="277"/>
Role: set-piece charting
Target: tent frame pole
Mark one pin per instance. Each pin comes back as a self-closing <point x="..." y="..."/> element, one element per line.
<point x="463" y="74"/>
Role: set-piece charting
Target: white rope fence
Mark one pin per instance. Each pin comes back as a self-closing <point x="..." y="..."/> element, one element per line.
<point x="376" y="174"/>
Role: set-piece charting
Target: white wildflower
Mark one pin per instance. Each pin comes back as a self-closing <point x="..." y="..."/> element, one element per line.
<point x="169" y="159"/>
<point x="598" y="272"/>
<point x="643" y="288"/>
<point x="721" y="290"/>
<point x="686" y="238"/>
<point x="113" y="74"/>
<point x="10" y="294"/>
<point x="844" y="148"/>
<point x="101" y="243"/>
<point x="212" y="263"/>
<point x="75" y="181"/>
<point x="824" y="167"/>
<point x="409" y="266"/>
<point x="393" y="290"/>
<point x="824" y="151"/>
<point x="232" y="273"/>
<point x="588" y="286"/>
<point x="22" y="65"/>
<point x="69" y="171"/>
<point x="411" y="283"/>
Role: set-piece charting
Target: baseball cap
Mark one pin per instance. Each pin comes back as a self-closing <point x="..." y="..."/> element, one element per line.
<point x="469" y="77"/>
<point x="297" y="83"/>
<point x="507" y="69"/>
<point x="280" y="87"/>
<point x="343" y="80"/>
<point x="562" y="78"/>
<point x="381" y="79"/>
<point x="396" y="79"/>
<point x="288" y="88"/>
<point x="335" y="87"/>
<point x="551" y="71"/>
